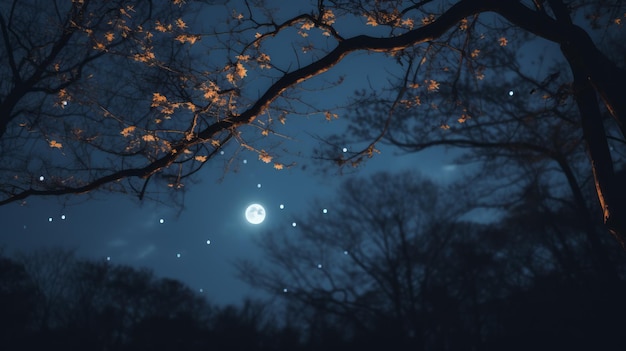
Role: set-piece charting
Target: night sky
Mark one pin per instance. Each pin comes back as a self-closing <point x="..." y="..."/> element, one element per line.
<point x="209" y="234"/>
<point x="199" y="242"/>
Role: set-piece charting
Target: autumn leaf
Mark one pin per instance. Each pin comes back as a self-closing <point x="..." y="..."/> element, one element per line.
<point x="371" y="20"/>
<point x="127" y="131"/>
<point x="181" y="24"/>
<point x="433" y="85"/>
<point x="109" y="36"/>
<point x="328" y="17"/>
<point x="158" y="100"/>
<point x="200" y="158"/>
<point x="237" y="16"/>
<point x="503" y="41"/>
<point x="148" y="137"/>
<point x="428" y="20"/>
<point x="330" y="116"/>
<point x="99" y="46"/>
<point x="265" y="157"/>
<point x="240" y="70"/>
<point x="408" y="23"/>
<point x="475" y="53"/>
<point x="55" y="144"/>
<point x="187" y="38"/>
<point x="278" y="166"/>
<point x="264" y="60"/>
<point x="463" y="24"/>
<point x="215" y="143"/>
<point x="307" y="25"/>
<point x="162" y="27"/>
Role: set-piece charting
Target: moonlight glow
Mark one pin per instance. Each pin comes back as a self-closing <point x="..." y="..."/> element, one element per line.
<point x="255" y="214"/>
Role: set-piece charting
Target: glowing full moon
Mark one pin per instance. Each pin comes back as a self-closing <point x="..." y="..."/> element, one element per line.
<point x="255" y="214"/>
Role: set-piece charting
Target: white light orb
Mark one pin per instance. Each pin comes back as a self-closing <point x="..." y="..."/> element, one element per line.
<point x="293" y="224"/>
<point x="177" y="255"/>
<point x="511" y="93"/>
<point x="258" y="185"/>
<point x="208" y="242"/>
<point x="62" y="216"/>
<point x="345" y="149"/>
<point x="42" y="178"/>
<point x="255" y="214"/>
<point x="282" y="207"/>
<point x="324" y="211"/>
<point x="161" y="221"/>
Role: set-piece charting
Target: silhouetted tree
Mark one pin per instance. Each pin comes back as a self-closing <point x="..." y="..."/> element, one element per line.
<point x="369" y="262"/>
<point x="400" y="264"/>
<point x="17" y="301"/>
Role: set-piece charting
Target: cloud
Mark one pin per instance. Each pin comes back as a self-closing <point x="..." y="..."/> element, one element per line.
<point x="146" y="251"/>
<point x="117" y="243"/>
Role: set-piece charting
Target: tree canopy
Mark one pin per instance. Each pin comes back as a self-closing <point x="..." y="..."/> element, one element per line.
<point x="137" y="95"/>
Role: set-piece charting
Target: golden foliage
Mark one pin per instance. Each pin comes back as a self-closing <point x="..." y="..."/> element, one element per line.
<point x="187" y="38"/>
<point x="328" y="17"/>
<point x="55" y="144"/>
<point x="145" y="56"/>
<point x="242" y="58"/>
<point x="211" y="91"/>
<point x="128" y="131"/>
<point x="99" y="46"/>
<point x="329" y="116"/>
<point x="463" y="24"/>
<point x="264" y="60"/>
<point x="503" y="41"/>
<point x="265" y="157"/>
<point x="433" y="85"/>
<point x="371" y="20"/>
<point x="200" y="158"/>
<point x="278" y="166"/>
<point x="149" y="137"/>
<point x="307" y="25"/>
<point x="162" y="27"/>
<point x="408" y="22"/>
<point x="238" y="16"/>
<point x="158" y="100"/>
<point x="428" y="20"/>
<point x="181" y="24"/>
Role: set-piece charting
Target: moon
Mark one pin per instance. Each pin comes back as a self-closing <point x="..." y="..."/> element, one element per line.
<point x="255" y="214"/>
